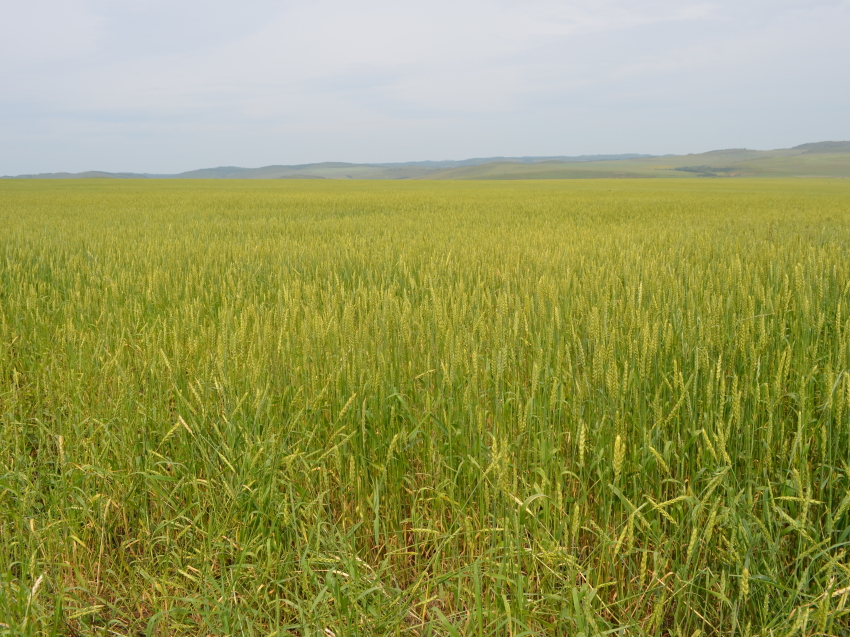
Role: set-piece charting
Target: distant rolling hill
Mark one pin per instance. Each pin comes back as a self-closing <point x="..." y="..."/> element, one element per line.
<point x="820" y="159"/>
<point x="823" y="159"/>
<point x="336" y="170"/>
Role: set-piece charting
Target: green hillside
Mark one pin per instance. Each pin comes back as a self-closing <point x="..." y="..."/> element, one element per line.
<point x="825" y="159"/>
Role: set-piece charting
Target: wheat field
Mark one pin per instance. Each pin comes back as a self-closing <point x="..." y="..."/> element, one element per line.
<point x="416" y="408"/>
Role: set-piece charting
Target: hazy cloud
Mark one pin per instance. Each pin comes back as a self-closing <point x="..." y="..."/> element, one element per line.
<point x="166" y="86"/>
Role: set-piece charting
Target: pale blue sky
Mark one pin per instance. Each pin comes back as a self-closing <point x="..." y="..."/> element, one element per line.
<point x="166" y="86"/>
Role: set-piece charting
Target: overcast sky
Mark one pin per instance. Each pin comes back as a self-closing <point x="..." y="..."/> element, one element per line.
<point x="167" y="86"/>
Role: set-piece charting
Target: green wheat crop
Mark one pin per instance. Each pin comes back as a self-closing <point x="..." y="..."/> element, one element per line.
<point x="400" y="408"/>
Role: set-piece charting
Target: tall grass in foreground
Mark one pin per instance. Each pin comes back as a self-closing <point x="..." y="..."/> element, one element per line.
<point x="425" y="409"/>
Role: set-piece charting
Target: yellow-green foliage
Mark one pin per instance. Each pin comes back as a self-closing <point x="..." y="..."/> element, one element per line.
<point x="550" y="408"/>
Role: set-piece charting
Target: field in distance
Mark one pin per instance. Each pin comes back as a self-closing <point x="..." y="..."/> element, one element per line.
<point x="425" y="408"/>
